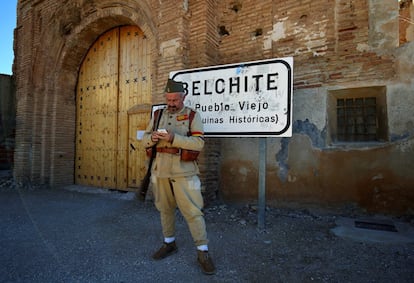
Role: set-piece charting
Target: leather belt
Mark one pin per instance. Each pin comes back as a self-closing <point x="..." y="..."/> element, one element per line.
<point x="171" y="150"/>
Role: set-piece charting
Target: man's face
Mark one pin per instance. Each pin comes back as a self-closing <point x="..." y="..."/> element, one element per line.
<point x="175" y="101"/>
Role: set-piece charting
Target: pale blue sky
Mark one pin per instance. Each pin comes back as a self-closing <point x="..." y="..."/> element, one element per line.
<point x="7" y="25"/>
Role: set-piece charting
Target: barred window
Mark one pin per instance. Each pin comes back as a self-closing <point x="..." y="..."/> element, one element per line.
<point x="357" y="115"/>
<point x="357" y="119"/>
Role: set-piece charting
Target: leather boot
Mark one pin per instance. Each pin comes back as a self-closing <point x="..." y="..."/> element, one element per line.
<point x="205" y="262"/>
<point x="166" y="249"/>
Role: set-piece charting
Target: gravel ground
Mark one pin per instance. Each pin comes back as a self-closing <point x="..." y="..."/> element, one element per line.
<point x="80" y="234"/>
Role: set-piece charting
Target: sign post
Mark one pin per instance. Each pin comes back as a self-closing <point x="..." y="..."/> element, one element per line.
<point x="250" y="99"/>
<point x="262" y="184"/>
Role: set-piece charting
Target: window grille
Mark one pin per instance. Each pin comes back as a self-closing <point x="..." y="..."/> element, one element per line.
<point x="357" y="119"/>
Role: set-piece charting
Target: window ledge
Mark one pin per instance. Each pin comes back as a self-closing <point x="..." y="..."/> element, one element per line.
<point x="357" y="145"/>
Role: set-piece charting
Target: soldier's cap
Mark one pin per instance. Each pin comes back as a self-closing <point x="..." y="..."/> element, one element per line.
<point x="173" y="86"/>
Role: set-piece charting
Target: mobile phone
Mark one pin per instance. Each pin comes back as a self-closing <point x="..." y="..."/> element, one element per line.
<point x="164" y="131"/>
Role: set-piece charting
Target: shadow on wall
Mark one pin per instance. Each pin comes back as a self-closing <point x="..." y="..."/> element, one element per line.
<point x="7" y="121"/>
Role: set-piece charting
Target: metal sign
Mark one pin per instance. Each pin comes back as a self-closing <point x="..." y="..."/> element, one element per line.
<point x="252" y="99"/>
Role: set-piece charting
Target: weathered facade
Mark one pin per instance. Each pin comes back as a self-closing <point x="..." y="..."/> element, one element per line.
<point x="349" y="56"/>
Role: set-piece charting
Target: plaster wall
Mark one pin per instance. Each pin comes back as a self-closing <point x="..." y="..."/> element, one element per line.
<point x="308" y="167"/>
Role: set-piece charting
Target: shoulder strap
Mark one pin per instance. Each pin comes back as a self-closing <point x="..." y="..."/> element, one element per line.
<point x="191" y="118"/>
<point x="192" y="114"/>
<point x="157" y="118"/>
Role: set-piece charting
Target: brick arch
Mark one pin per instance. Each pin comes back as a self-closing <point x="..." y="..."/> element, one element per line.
<point x="54" y="95"/>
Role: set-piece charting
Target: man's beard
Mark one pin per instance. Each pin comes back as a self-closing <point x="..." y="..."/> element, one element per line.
<point x="172" y="109"/>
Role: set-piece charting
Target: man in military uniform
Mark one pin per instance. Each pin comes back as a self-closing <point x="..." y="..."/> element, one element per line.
<point x="176" y="181"/>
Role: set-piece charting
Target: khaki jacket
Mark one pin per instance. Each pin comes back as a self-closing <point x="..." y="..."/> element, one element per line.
<point x="168" y="165"/>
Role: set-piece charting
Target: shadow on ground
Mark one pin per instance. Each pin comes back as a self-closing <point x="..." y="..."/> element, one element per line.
<point x="74" y="235"/>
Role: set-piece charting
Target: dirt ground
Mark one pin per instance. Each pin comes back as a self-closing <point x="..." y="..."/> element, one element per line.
<point x="81" y="235"/>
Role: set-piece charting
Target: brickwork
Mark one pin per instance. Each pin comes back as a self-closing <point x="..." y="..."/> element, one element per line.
<point x="334" y="43"/>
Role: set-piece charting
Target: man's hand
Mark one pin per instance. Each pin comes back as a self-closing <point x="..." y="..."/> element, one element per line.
<point x="156" y="136"/>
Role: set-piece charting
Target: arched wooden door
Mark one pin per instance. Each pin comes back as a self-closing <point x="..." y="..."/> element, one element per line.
<point x="114" y="78"/>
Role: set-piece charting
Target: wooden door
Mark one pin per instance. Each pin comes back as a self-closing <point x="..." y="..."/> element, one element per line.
<point x="114" y="77"/>
<point x="137" y="120"/>
<point x="134" y="91"/>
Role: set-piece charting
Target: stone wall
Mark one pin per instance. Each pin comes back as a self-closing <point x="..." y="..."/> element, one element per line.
<point x="340" y="44"/>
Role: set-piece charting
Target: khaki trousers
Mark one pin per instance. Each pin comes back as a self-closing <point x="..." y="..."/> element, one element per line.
<point x="184" y="192"/>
